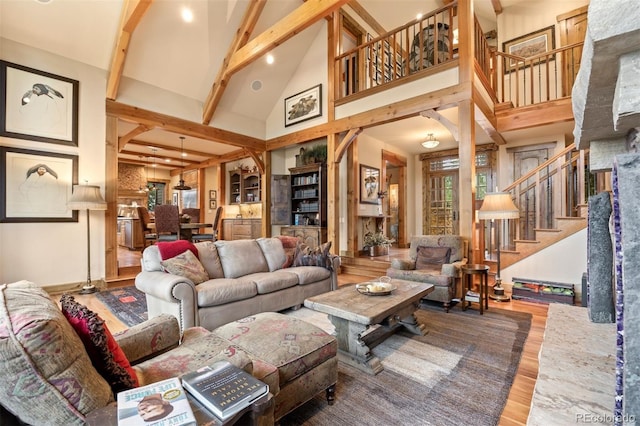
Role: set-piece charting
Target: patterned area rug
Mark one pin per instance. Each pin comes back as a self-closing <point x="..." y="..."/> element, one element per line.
<point x="128" y="304"/>
<point x="459" y="373"/>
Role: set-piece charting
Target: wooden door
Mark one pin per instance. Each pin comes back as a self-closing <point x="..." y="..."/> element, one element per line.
<point x="524" y="160"/>
<point x="442" y="216"/>
<point x="573" y="28"/>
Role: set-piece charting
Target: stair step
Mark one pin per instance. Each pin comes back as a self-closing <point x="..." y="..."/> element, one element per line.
<point x="524" y="242"/>
<point x="547" y="230"/>
<point x="571" y="218"/>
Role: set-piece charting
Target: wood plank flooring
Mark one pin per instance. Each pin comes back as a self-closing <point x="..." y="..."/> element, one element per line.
<point x="516" y="409"/>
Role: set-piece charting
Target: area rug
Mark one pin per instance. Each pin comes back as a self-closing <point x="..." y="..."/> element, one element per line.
<point x="128" y="304"/>
<point x="459" y="373"/>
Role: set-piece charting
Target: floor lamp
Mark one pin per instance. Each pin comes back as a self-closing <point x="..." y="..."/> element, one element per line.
<point x="87" y="197"/>
<point x="498" y="205"/>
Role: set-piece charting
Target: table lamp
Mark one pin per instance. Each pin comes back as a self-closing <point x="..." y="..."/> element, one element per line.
<point x="87" y="197"/>
<point x="498" y="206"/>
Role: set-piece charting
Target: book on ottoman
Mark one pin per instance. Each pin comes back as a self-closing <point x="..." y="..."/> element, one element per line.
<point x="223" y="388"/>
<point x="161" y="403"/>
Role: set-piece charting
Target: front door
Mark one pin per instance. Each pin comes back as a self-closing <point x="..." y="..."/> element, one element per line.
<point x="572" y="28"/>
<point x="442" y="217"/>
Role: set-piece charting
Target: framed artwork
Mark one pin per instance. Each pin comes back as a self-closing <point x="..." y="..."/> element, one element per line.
<point x="213" y="194"/>
<point x="36" y="186"/>
<point x="303" y="106"/>
<point x="38" y="106"/>
<point x="369" y="184"/>
<point x="530" y="45"/>
<point x="213" y="204"/>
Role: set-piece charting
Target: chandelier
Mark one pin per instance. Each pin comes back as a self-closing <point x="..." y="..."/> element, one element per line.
<point x="181" y="185"/>
<point x="430" y="142"/>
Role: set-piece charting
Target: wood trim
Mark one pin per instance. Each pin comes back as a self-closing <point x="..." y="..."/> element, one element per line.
<point x="123" y="140"/>
<point x="248" y="24"/>
<point x="303" y="17"/>
<point x="411" y="107"/>
<point x="345" y="143"/>
<point x="182" y="127"/>
<point x="535" y="115"/>
<point x="366" y="17"/>
<point x="435" y="115"/>
<point x="111" y="197"/>
<point x="132" y="13"/>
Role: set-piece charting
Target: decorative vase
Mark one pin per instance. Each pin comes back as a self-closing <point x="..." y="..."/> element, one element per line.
<point x="378" y="251"/>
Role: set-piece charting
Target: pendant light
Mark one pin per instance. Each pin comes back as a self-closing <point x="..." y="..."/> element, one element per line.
<point x="144" y="188"/>
<point x="431" y="142"/>
<point x="153" y="183"/>
<point x="181" y="186"/>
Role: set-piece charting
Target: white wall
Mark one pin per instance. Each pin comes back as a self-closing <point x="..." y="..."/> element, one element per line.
<point x="56" y="253"/>
<point x="563" y="262"/>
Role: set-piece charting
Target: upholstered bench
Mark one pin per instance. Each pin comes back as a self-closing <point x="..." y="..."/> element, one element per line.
<point x="302" y="355"/>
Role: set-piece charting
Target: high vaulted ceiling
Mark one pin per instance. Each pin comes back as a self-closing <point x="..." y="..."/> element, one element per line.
<point x="185" y="58"/>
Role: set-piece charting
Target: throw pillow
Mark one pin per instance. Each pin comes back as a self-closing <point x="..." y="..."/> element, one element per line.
<point x="319" y="256"/>
<point x="186" y="265"/>
<point x="289" y="244"/>
<point x="106" y="355"/>
<point x="169" y="249"/>
<point x="428" y="257"/>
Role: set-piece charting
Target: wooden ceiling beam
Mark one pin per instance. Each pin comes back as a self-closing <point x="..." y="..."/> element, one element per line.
<point x="123" y="140"/>
<point x="449" y="96"/>
<point x="170" y="148"/>
<point x="248" y="24"/>
<point x="132" y="13"/>
<point x="303" y="17"/>
<point x="435" y="115"/>
<point x="171" y="164"/>
<point x="497" y="6"/>
<point x="345" y="143"/>
<point x="182" y="127"/>
<point x="256" y="158"/>
<point x="366" y="17"/>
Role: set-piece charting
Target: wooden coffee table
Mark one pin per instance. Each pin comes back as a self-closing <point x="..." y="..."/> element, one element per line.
<point x="363" y="321"/>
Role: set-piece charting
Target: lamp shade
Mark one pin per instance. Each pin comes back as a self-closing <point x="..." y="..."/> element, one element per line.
<point x="86" y="197"/>
<point x="498" y="205"/>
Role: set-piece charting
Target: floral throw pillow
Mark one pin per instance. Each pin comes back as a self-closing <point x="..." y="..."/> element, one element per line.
<point x="319" y="256"/>
<point x="106" y="355"/>
<point x="186" y="265"/>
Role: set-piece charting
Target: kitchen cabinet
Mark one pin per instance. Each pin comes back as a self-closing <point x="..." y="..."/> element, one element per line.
<point x="130" y="233"/>
<point x="244" y="186"/>
<point x="241" y="229"/>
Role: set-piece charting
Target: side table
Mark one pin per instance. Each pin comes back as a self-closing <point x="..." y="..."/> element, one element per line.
<point x="468" y="272"/>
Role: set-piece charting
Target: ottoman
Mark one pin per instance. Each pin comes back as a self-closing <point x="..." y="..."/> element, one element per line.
<point x="302" y="356"/>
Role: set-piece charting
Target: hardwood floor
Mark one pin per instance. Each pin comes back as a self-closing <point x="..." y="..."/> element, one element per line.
<point x="516" y="409"/>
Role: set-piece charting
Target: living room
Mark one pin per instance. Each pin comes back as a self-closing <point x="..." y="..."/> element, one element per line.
<point x="97" y="165"/>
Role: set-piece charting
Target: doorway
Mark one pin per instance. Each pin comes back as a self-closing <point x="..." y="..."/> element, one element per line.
<point x="394" y="172"/>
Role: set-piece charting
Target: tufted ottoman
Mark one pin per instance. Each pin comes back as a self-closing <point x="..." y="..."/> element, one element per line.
<point x="301" y="355"/>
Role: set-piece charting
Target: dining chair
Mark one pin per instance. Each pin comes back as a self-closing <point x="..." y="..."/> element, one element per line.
<point x="167" y="222"/>
<point x="149" y="236"/>
<point x="193" y="213"/>
<point x="213" y="236"/>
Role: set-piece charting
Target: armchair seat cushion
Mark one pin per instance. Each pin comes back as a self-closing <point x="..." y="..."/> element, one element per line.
<point x="429" y="276"/>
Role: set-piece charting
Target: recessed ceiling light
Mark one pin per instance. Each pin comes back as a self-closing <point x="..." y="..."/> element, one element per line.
<point x="270" y="59"/>
<point x="44" y="1"/>
<point x="419" y="16"/>
<point x="187" y="14"/>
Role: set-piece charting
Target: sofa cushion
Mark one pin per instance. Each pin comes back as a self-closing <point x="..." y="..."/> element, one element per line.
<point x="241" y="257"/>
<point x="310" y="274"/>
<point x="208" y="255"/>
<point x="289" y="245"/>
<point x="428" y="257"/>
<point x="273" y="252"/>
<point x="105" y="353"/>
<point x="292" y="345"/>
<point x="319" y="256"/>
<point x="186" y="265"/>
<point x="268" y="282"/>
<point x="169" y="249"/>
<point x="225" y="290"/>
<point x="46" y="376"/>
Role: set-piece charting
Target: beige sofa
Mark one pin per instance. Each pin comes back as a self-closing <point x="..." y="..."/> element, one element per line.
<point x="246" y="277"/>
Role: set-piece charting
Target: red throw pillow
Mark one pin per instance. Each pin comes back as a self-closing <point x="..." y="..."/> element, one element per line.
<point x="105" y="353"/>
<point x="169" y="249"/>
<point x="289" y="244"/>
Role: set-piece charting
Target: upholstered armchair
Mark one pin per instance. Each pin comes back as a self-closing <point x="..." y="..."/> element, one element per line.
<point x="434" y="259"/>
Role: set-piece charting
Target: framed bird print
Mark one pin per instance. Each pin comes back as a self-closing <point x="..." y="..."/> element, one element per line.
<point x="36" y="186"/>
<point x="37" y="105"/>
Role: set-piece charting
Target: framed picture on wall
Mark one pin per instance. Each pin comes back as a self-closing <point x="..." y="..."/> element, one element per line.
<point x="369" y="184"/>
<point x="213" y="204"/>
<point x="36" y="186"/>
<point x="528" y="46"/>
<point x="37" y="105"/>
<point x="303" y="106"/>
<point x="213" y="194"/>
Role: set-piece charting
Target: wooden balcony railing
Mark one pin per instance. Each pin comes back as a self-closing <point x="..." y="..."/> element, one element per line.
<point x="527" y="81"/>
<point x="402" y="52"/>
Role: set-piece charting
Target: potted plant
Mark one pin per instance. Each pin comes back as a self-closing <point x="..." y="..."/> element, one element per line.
<point x="377" y="243"/>
<point x="315" y="154"/>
